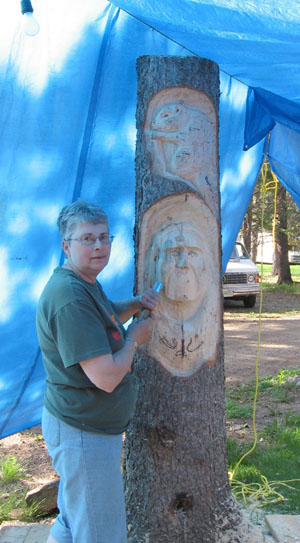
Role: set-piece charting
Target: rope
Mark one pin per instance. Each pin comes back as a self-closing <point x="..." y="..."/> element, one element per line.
<point x="275" y="180"/>
<point x="263" y="492"/>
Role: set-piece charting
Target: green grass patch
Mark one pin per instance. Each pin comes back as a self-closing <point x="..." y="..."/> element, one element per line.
<point x="269" y="476"/>
<point x="289" y="289"/>
<point x="277" y="386"/>
<point x="11" y="469"/>
<point x="14" y="507"/>
<point x="269" y="281"/>
<point x="274" y="464"/>
<point x="236" y="410"/>
<point x="295" y="269"/>
<point x="37" y="437"/>
<point x="13" y="491"/>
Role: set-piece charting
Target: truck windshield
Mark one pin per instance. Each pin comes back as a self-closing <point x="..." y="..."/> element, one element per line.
<point x="239" y="251"/>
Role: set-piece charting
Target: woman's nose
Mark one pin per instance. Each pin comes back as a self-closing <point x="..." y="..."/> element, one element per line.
<point x="98" y="243"/>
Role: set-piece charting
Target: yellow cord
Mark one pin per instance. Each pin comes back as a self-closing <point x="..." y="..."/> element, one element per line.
<point x="263" y="492"/>
<point x="232" y="474"/>
<point x="275" y="181"/>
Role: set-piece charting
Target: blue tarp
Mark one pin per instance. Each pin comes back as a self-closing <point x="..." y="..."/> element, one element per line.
<point x="67" y="122"/>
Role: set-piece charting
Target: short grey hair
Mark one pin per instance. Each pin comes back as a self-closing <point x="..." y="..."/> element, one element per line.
<point x="79" y="212"/>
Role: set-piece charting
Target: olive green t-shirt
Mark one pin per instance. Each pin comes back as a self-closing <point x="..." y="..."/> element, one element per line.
<point x="75" y="322"/>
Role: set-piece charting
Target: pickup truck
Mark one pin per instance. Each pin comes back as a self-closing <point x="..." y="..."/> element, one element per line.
<point x="241" y="278"/>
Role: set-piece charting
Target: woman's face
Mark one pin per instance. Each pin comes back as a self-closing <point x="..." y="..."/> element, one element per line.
<point x="87" y="260"/>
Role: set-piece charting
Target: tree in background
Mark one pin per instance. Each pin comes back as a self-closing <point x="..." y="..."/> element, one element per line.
<point x="251" y="226"/>
<point x="281" y="238"/>
<point x="287" y="224"/>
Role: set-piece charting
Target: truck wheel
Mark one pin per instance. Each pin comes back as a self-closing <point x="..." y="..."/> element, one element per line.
<point x="249" y="301"/>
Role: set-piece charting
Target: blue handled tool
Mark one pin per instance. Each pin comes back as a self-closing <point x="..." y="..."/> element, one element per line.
<point x="157" y="287"/>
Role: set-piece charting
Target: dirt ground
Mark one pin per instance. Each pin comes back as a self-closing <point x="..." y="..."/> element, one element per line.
<point x="280" y="348"/>
<point x="279" y="337"/>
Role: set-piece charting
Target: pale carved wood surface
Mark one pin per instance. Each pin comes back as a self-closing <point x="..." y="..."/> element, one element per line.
<point x="181" y="137"/>
<point x="179" y="238"/>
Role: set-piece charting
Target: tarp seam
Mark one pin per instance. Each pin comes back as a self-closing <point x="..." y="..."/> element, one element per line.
<point x="112" y="18"/>
<point x="177" y="43"/>
<point x="113" y="15"/>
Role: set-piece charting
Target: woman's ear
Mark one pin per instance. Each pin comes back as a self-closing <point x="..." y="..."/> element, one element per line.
<point x="66" y="247"/>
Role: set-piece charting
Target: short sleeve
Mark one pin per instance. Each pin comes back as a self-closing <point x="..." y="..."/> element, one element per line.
<point x="79" y="332"/>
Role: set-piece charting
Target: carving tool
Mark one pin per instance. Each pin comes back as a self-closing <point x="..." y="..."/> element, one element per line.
<point x="157" y="287"/>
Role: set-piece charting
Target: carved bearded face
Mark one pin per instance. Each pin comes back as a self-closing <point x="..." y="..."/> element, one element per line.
<point x="181" y="264"/>
<point x="179" y="247"/>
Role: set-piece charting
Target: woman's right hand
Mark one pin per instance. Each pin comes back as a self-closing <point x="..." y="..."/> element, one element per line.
<point x="140" y="330"/>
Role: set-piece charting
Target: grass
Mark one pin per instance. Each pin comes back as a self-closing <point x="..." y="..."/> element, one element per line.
<point x="13" y="505"/>
<point x="270" y="281"/>
<point x="237" y="411"/>
<point x="11" y="469"/>
<point x="275" y="386"/>
<point x="263" y="476"/>
<point x="295" y="270"/>
<point x="38" y="437"/>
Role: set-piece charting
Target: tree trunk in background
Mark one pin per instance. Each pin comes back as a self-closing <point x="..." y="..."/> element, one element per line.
<point x="176" y="483"/>
<point x="275" y="260"/>
<point x="252" y="225"/>
<point x="282" y="260"/>
<point x="247" y="229"/>
<point x="256" y="225"/>
<point x="254" y="251"/>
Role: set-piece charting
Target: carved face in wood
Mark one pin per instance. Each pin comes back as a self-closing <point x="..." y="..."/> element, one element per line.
<point x="179" y="248"/>
<point x="180" y="254"/>
<point x="181" y="137"/>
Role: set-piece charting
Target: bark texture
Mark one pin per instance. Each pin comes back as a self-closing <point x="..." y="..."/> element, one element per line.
<point x="155" y="74"/>
<point x="282" y="245"/>
<point x="176" y="483"/>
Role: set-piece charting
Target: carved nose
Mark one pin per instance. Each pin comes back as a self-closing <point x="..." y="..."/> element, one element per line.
<point x="182" y="259"/>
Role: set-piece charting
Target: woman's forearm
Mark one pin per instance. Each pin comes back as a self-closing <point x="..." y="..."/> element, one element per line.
<point x="107" y="371"/>
<point x="128" y="308"/>
<point x="147" y="300"/>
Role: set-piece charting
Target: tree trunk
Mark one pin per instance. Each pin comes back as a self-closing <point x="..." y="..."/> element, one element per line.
<point x="247" y="230"/>
<point x="176" y="483"/>
<point x="254" y="250"/>
<point x="283" y="267"/>
<point x="275" y="260"/>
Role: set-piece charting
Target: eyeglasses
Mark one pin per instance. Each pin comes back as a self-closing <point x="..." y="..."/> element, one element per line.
<point x="90" y="241"/>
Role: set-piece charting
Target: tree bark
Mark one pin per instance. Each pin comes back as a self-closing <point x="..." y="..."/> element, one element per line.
<point x="176" y="482"/>
<point x="282" y="260"/>
<point x="255" y="225"/>
<point x="247" y="229"/>
<point x="275" y="260"/>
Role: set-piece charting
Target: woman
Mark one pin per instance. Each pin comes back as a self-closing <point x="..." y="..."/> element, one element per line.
<point x="90" y="392"/>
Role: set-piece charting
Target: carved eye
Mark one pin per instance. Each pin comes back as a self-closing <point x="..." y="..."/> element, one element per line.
<point x="165" y="115"/>
<point x="193" y="254"/>
<point x="175" y="254"/>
